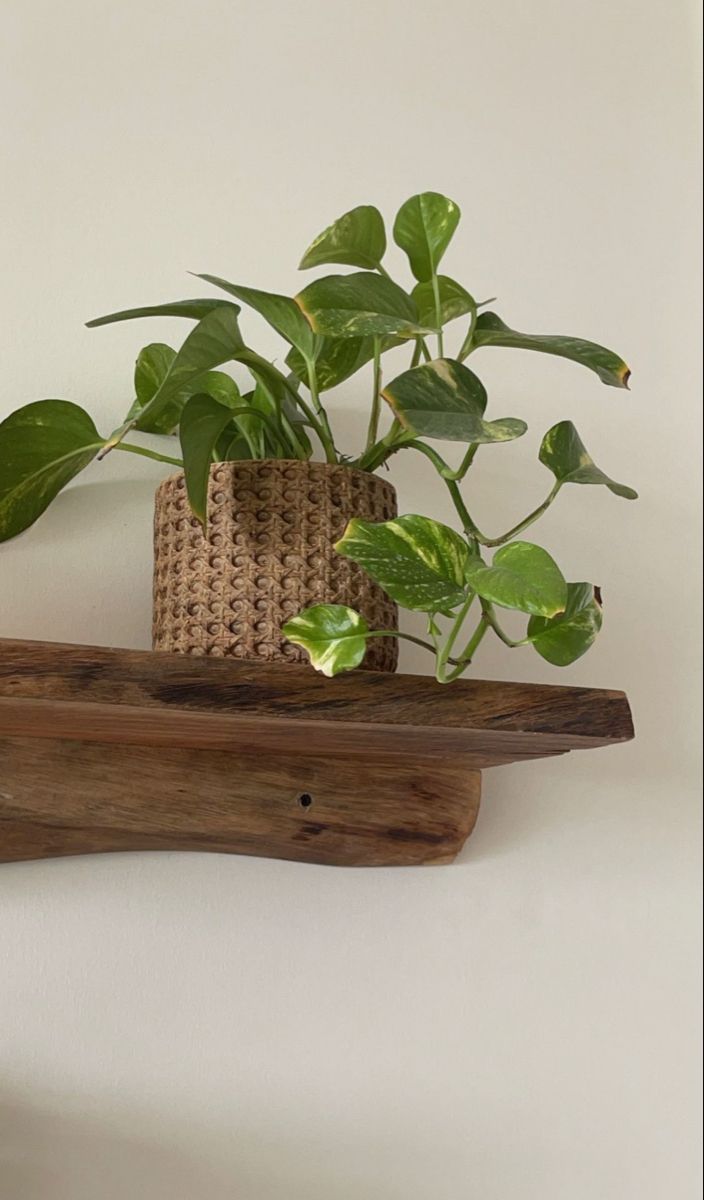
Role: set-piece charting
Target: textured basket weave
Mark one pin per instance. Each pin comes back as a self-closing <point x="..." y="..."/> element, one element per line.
<point x="268" y="554"/>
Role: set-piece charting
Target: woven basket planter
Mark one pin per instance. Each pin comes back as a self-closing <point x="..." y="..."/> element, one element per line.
<point x="268" y="554"/>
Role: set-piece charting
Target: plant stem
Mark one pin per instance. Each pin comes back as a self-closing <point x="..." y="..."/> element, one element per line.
<point x="467" y="347"/>
<point x="468" y="653"/>
<point x="373" y="458"/>
<point x="466" y="462"/>
<point x="444" y="469"/>
<point x="444" y="653"/>
<point x="116" y="437"/>
<point x="438" y="313"/>
<point x="373" y="430"/>
<point x="420" y="341"/>
<point x="468" y="525"/>
<point x="537" y="512"/>
<point x="450" y="479"/>
<point x="488" y="616"/>
<point x="324" y="432"/>
<point x="305" y="407"/>
<point x="407" y="637"/>
<point x="162" y="458"/>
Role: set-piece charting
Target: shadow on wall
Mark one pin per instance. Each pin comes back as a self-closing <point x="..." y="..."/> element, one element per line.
<point x="48" y="1155"/>
<point x="45" y="1155"/>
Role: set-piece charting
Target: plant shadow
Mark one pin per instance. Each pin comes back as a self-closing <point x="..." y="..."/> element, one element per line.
<point x="47" y="1154"/>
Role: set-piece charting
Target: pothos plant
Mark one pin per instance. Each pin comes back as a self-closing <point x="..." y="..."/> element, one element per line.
<point x="335" y="326"/>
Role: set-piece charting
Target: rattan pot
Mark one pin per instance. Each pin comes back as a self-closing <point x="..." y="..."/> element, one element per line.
<point x="268" y="554"/>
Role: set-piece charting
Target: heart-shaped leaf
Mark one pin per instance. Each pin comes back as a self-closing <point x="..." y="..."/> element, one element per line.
<point x="565" y="638"/>
<point x="522" y="576"/>
<point x="42" y="447"/>
<point x="444" y="399"/>
<point x="491" y="331"/>
<point x="359" y="305"/>
<point x="282" y="313"/>
<point x="334" y="636"/>
<point x="420" y="563"/>
<point x="563" y="452"/>
<point x="202" y="422"/>
<point x="455" y="301"/>
<point x="423" y="228"/>
<point x="216" y="339"/>
<point x="151" y="368"/>
<point x="153" y="365"/>
<point x="357" y="239"/>
<point x="195" y="309"/>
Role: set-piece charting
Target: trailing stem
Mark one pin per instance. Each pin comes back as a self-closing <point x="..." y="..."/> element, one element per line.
<point x="373" y="430"/>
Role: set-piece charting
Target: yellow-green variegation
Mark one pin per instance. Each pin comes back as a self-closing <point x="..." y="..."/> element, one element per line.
<point x="356" y="239"/>
<point x="423" y="227"/>
<point x="565" y="454"/>
<point x="444" y="399"/>
<point x="522" y="576"/>
<point x="419" y="562"/>
<point x="334" y="636"/>
<point x="491" y="331"/>
<point x="215" y="398"/>
<point x="359" y="305"/>
<point x="562" y="639"/>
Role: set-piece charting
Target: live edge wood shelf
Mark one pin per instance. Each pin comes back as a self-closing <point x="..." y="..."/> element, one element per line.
<point x="105" y="749"/>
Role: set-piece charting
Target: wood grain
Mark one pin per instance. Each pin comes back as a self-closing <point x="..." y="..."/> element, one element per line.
<point x="165" y="694"/>
<point x="67" y="797"/>
<point x="104" y="749"/>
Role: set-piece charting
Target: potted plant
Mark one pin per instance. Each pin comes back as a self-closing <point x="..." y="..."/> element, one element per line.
<point x="271" y="544"/>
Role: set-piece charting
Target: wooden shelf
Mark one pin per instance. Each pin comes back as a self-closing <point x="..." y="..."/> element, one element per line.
<point x="104" y="749"/>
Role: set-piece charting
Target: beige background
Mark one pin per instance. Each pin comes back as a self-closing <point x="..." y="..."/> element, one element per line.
<point x="518" y="1027"/>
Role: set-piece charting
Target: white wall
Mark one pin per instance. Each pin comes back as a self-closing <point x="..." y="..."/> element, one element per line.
<point x="519" y="1026"/>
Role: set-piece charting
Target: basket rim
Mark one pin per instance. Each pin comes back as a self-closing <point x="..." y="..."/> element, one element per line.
<point x="283" y="462"/>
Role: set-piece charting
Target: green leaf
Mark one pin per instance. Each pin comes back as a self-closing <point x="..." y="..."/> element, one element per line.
<point x="522" y="576"/>
<point x="295" y="421"/>
<point x="563" y="452"/>
<point x="357" y="239"/>
<point x="491" y="331"/>
<point x="455" y="301"/>
<point x="283" y="437"/>
<point x="202" y="422"/>
<point x="444" y="399"/>
<point x="420" y="563"/>
<point x="195" y="309"/>
<point x="565" y="638"/>
<point x="153" y="365"/>
<point x="338" y="359"/>
<point x="282" y="313"/>
<point x="359" y="305"/>
<point x="42" y="447"/>
<point x="334" y="636"/>
<point x="215" y="339"/>
<point x="232" y="446"/>
<point x="221" y="387"/>
<point x="423" y="228"/>
<point x="151" y="368"/>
